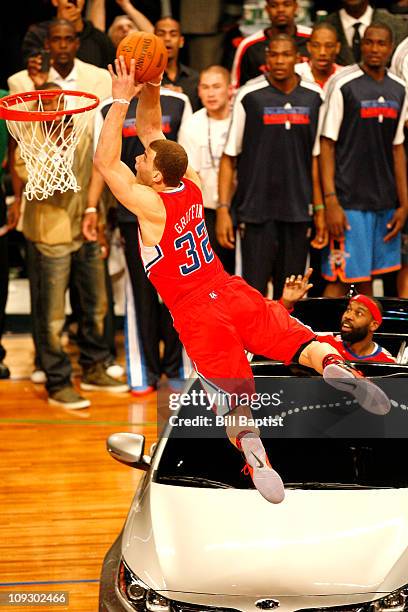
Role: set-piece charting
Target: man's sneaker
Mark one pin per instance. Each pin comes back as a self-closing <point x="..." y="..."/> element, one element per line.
<point x="67" y="397"/>
<point x="344" y="377"/>
<point x="115" y="370"/>
<point x="266" y="480"/>
<point x="96" y="378"/>
<point x="38" y="377"/>
<point x="4" y="371"/>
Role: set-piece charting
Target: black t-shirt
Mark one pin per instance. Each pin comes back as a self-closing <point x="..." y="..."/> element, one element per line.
<point x="249" y="61"/>
<point x="175" y="107"/>
<point x="273" y="134"/>
<point x="187" y="79"/>
<point x="365" y="118"/>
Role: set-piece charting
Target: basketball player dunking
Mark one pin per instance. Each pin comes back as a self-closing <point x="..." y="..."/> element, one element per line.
<point x="217" y="316"/>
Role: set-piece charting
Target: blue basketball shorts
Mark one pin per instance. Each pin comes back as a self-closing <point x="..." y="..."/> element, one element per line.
<point x="362" y="253"/>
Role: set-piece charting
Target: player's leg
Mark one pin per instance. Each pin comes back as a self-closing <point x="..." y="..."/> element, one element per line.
<point x="53" y="277"/>
<point x="267" y="329"/>
<point x="387" y="256"/>
<point x="224" y="371"/>
<point x="339" y="374"/>
<point x="350" y="260"/>
<point x="242" y="433"/>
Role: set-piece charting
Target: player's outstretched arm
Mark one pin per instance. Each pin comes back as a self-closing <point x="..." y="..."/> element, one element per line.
<point x="149" y="122"/>
<point x="149" y="114"/>
<point x="139" y="199"/>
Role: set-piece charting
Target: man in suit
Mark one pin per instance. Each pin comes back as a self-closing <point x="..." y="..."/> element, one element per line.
<point x="53" y="257"/>
<point x="351" y="22"/>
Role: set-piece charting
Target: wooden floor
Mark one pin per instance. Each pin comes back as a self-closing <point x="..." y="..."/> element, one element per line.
<point x="63" y="499"/>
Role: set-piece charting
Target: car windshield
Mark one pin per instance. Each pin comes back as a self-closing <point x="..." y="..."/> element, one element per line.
<point x="308" y="463"/>
<point x="313" y="461"/>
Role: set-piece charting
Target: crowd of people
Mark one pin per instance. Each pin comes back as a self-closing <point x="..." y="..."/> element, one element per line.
<point x="299" y="146"/>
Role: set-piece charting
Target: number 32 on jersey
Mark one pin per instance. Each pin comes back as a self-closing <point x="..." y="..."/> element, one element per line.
<point x="197" y="248"/>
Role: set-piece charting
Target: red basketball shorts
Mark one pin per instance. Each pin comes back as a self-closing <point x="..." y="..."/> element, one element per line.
<point x="217" y="326"/>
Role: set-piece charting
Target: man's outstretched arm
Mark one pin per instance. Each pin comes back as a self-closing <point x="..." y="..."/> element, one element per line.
<point x="149" y="114"/>
<point x="149" y="122"/>
<point x="139" y="199"/>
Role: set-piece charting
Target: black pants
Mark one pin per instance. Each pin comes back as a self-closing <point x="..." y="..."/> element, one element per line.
<point x="148" y="321"/>
<point x="227" y="256"/>
<point x="4" y="272"/>
<point x="273" y="250"/>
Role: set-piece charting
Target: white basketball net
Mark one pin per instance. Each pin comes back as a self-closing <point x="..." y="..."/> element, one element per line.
<point x="48" y="147"/>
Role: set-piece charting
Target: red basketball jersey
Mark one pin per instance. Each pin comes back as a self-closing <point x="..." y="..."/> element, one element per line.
<point x="183" y="263"/>
<point x="379" y="354"/>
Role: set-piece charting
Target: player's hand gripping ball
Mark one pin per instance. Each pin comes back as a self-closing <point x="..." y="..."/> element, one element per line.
<point x="149" y="52"/>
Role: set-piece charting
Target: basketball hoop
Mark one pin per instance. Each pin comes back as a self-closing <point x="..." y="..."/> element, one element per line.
<point x="48" y="125"/>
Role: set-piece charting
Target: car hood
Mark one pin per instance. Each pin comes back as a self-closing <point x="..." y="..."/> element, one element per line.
<point x="233" y="542"/>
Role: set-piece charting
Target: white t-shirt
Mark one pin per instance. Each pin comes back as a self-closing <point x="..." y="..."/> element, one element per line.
<point x="204" y="139"/>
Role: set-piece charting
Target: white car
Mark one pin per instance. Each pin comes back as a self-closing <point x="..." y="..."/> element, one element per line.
<point x="198" y="536"/>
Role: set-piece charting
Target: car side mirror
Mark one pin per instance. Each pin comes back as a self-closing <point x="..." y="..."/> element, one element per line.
<point x="128" y="448"/>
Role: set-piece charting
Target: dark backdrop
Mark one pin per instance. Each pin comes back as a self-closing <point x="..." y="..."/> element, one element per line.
<point x="21" y="13"/>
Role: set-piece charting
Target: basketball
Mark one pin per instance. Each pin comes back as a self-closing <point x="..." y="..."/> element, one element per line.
<point x="149" y="52"/>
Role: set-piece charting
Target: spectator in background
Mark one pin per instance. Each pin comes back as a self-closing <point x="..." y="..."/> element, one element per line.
<point x="359" y="322"/>
<point x="363" y="168"/>
<point x="399" y="66"/>
<point x="273" y="134"/>
<point x="95" y="47"/>
<point x="122" y="25"/>
<point x="68" y="72"/>
<point x="351" y="22"/>
<point x="400" y="7"/>
<point x="177" y="76"/>
<point x="131" y="20"/>
<point x="323" y="47"/>
<point x="9" y="216"/>
<point x="147" y="320"/>
<point x="201" y="24"/>
<point x="249" y="61"/>
<point x="57" y="250"/>
<point x="203" y="136"/>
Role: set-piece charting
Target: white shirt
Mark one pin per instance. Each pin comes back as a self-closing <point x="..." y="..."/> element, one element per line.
<point x="347" y="21"/>
<point x="203" y="139"/>
<point x="70" y="81"/>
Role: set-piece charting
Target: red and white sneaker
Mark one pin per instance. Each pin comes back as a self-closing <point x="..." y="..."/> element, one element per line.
<point x="266" y="480"/>
<point x="344" y="377"/>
